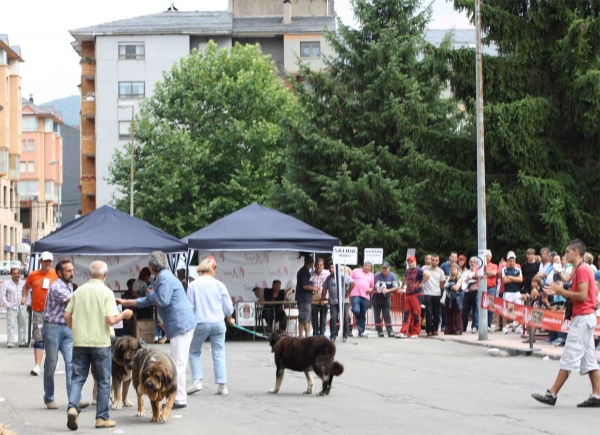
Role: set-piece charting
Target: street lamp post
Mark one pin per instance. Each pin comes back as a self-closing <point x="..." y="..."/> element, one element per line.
<point x="55" y="162"/>
<point x="131" y="174"/>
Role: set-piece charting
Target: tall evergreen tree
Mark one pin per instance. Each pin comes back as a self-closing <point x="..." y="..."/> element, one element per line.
<point x="542" y="119"/>
<point x="384" y="160"/>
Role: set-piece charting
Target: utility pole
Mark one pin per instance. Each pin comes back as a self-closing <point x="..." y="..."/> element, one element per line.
<point x="131" y="174"/>
<point x="481" y="215"/>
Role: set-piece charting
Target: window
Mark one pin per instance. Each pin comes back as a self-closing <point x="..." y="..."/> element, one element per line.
<point x="3" y="160"/>
<point x="49" y="190"/>
<point x="28" y="188"/>
<point x="23" y="145"/>
<point x="31" y="167"/>
<point x="310" y="49"/>
<point x="48" y="125"/>
<point x="124" y="129"/>
<point x="23" y="167"/>
<point x="31" y="145"/>
<point x="132" y="89"/>
<point x="132" y="50"/>
<point x="30" y="123"/>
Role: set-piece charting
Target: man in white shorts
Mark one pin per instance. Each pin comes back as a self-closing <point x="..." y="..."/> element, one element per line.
<point x="579" y="351"/>
<point x="513" y="279"/>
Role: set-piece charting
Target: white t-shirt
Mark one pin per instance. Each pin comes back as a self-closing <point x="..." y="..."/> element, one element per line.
<point x="432" y="286"/>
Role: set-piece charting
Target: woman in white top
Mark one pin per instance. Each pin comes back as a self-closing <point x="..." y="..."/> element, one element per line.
<point x="211" y="304"/>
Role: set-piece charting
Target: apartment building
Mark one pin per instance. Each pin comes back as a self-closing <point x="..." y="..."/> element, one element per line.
<point x="10" y="149"/>
<point x="122" y="60"/>
<point x="41" y="170"/>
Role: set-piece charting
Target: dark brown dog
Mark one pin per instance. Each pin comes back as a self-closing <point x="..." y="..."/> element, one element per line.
<point x="155" y="375"/>
<point x="305" y="355"/>
<point x="123" y="350"/>
<point x="123" y="353"/>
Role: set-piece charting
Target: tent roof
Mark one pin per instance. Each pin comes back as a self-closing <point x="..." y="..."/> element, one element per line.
<point x="256" y="227"/>
<point x="107" y="231"/>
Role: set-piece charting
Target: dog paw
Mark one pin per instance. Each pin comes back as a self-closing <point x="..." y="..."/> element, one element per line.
<point x="157" y="419"/>
<point x="322" y="393"/>
<point x="272" y="391"/>
<point x="141" y="413"/>
<point x="117" y="406"/>
<point x="307" y="392"/>
<point x="127" y="404"/>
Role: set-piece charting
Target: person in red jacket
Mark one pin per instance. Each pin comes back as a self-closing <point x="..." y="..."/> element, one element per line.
<point x="413" y="281"/>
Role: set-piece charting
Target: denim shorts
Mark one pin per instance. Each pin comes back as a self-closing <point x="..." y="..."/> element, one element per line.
<point x="304" y="312"/>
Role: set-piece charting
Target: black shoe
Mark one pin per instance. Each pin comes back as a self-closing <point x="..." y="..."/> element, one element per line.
<point x="333" y="339"/>
<point x="591" y="402"/>
<point x="381" y="334"/>
<point x="345" y="339"/>
<point x="546" y="398"/>
<point x="391" y="335"/>
<point x="176" y="405"/>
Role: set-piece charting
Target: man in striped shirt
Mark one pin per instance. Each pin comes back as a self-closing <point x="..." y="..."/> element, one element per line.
<point x="16" y="311"/>
<point x="57" y="335"/>
<point x="90" y="312"/>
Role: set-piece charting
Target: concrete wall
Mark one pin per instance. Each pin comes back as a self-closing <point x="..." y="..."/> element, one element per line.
<point x="199" y="42"/>
<point x="292" y="52"/>
<point x="71" y="195"/>
<point x="271" y="46"/>
<point x="266" y="8"/>
<point x="161" y="52"/>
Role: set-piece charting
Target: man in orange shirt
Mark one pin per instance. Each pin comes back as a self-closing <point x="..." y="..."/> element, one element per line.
<point x="38" y="283"/>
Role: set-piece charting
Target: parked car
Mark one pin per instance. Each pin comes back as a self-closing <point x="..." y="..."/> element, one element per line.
<point x="4" y="267"/>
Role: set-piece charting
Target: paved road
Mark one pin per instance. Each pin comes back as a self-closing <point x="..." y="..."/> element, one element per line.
<point x="388" y="386"/>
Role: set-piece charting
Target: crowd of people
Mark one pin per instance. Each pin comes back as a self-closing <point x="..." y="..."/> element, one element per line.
<point x="447" y="294"/>
<point x="76" y="323"/>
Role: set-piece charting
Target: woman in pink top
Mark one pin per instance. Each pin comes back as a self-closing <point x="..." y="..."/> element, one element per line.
<point x="363" y="286"/>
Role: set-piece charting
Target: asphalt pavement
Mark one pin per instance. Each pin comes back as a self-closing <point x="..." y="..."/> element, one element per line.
<point x="388" y="386"/>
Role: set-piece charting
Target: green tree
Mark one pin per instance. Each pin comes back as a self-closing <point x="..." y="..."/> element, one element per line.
<point x="211" y="139"/>
<point x="384" y="160"/>
<point x="542" y="119"/>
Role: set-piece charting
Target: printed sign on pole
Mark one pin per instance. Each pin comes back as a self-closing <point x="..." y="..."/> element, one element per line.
<point x="374" y="255"/>
<point x="345" y="255"/>
<point x="246" y="313"/>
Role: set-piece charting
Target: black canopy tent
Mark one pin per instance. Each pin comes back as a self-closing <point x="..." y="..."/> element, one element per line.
<point x="107" y="231"/>
<point x="255" y="228"/>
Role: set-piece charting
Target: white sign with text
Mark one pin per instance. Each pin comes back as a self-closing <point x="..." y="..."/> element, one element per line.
<point x="374" y="255"/>
<point x="345" y="255"/>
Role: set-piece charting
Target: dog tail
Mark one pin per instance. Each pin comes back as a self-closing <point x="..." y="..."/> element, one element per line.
<point x="338" y="369"/>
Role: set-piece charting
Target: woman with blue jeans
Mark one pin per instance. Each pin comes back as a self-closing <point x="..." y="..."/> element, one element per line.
<point x="211" y="303"/>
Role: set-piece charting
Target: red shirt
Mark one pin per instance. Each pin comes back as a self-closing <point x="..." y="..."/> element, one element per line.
<point x="584" y="274"/>
<point x="491" y="268"/>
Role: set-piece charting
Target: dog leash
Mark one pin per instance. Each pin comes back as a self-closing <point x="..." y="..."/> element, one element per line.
<point x="249" y="331"/>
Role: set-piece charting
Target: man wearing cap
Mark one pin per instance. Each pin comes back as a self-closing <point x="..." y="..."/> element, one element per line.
<point x="38" y="283"/>
<point x="433" y="293"/>
<point x="412" y="283"/>
<point x="512" y="278"/>
<point x="384" y="282"/>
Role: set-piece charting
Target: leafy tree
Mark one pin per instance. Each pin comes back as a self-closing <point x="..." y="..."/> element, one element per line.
<point x="542" y="119"/>
<point x="384" y="160"/>
<point x="211" y="139"/>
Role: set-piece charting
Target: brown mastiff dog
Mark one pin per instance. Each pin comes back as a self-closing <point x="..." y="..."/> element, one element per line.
<point x="123" y="353"/>
<point x="155" y="375"/>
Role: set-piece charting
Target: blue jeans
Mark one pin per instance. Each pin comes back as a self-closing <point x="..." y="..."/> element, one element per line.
<point x="359" y="308"/>
<point x="57" y="338"/>
<point x="216" y="333"/>
<point x="101" y="358"/>
<point x="492" y="292"/>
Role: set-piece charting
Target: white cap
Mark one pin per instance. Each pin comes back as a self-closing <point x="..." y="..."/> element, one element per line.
<point x="47" y="256"/>
<point x="510" y="255"/>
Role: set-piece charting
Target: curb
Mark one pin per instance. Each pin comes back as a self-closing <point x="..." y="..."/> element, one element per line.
<point x="512" y="351"/>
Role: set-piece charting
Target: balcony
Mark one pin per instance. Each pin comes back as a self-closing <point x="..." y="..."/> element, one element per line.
<point x="88" y="146"/>
<point x="14" y="168"/>
<point x="88" y="70"/>
<point x="88" y="109"/>
<point x="88" y="187"/>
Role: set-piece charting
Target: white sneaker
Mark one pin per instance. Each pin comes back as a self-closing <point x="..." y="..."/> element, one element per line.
<point x="35" y="371"/>
<point x="222" y="390"/>
<point x="156" y="339"/>
<point x="194" y="388"/>
<point x="473" y="330"/>
<point x="414" y="336"/>
<point x="490" y="329"/>
<point x="505" y="330"/>
<point x="400" y="335"/>
<point x="10" y="346"/>
<point x="518" y="330"/>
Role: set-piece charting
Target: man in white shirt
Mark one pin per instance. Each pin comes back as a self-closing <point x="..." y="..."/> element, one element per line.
<point x="16" y="313"/>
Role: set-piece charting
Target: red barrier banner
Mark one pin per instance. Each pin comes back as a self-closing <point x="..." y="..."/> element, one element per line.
<point x="530" y="316"/>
